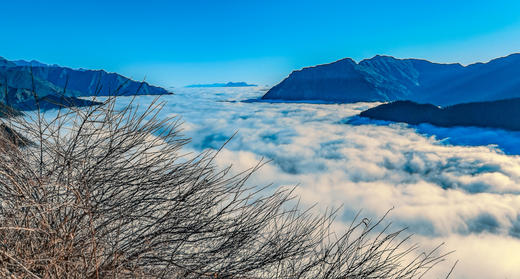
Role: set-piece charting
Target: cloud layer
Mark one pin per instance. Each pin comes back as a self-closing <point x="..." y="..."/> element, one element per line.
<point x="459" y="185"/>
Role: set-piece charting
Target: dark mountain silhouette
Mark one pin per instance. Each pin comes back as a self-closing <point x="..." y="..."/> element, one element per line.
<point x="385" y="78"/>
<point x="502" y="114"/>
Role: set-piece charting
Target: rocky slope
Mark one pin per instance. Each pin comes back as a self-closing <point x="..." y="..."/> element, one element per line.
<point x="385" y="78"/>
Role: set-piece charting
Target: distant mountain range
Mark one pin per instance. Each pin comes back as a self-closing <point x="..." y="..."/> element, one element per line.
<point x="503" y="114"/>
<point x="229" y="84"/>
<point x="385" y="78"/>
<point x="52" y="83"/>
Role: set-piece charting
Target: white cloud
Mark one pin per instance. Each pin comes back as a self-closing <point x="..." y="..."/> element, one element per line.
<point x="468" y="195"/>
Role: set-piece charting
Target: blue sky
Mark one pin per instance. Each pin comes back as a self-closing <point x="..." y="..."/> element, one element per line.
<point x="174" y="43"/>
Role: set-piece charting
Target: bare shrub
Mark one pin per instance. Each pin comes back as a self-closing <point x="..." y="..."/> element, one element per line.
<point x="107" y="193"/>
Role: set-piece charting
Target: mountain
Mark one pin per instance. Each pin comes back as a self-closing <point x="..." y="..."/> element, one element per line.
<point x="17" y="87"/>
<point x="95" y="82"/>
<point x="52" y="83"/>
<point x="229" y="84"/>
<point x="502" y="114"/>
<point x="385" y="78"/>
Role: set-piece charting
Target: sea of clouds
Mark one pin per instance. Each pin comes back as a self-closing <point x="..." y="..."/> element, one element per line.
<point x="455" y="185"/>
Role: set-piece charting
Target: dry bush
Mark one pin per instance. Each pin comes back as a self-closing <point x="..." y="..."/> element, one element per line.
<point x="107" y="193"/>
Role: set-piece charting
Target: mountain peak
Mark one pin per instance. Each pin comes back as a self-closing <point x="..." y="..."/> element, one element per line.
<point x="383" y="57"/>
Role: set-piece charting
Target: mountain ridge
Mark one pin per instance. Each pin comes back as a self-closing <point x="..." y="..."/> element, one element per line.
<point x="501" y="114"/>
<point x="386" y="78"/>
<point x="228" y="84"/>
<point x="20" y="80"/>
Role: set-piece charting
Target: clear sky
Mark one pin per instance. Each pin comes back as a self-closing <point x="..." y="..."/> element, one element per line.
<point x="175" y="43"/>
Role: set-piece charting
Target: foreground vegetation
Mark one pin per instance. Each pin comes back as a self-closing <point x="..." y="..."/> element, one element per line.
<point x="104" y="193"/>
